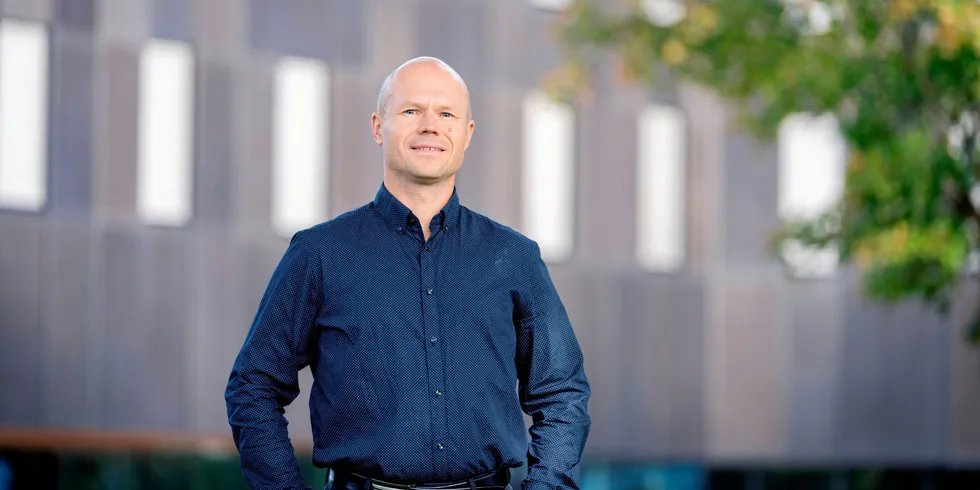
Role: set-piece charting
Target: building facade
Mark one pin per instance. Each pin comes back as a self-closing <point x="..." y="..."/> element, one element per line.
<point x="121" y="310"/>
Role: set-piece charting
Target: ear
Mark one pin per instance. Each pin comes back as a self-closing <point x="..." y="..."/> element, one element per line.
<point x="376" y="128"/>
<point x="469" y="133"/>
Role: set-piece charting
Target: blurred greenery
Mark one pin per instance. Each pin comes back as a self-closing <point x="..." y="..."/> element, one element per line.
<point x="901" y="78"/>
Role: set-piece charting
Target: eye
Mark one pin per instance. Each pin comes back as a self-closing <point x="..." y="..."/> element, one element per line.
<point x="411" y="111"/>
<point x="446" y="114"/>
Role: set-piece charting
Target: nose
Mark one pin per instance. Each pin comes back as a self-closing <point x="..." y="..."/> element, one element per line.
<point x="428" y="124"/>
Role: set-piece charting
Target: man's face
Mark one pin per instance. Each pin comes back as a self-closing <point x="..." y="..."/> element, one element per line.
<point x="424" y="126"/>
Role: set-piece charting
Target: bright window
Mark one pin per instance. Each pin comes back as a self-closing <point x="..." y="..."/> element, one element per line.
<point x="660" y="188"/>
<point x="166" y="120"/>
<point x="23" y="115"/>
<point x="548" y="176"/>
<point x="299" y="166"/>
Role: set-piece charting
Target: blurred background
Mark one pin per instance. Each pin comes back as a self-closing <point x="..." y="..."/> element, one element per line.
<point x="156" y="156"/>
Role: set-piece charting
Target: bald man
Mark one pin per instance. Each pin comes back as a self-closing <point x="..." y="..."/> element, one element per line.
<point x="429" y="328"/>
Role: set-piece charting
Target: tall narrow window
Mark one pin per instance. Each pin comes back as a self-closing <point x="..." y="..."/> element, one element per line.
<point x="811" y="180"/>
<point x="660" y="189"/>
<point x="299" y="167"/>
<point x="166" y="119"/>
<point x="23" y="115"/>
<point x="548" y="176"/>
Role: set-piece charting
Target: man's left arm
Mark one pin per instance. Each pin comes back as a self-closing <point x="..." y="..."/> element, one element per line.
<point x="553" y="387"/>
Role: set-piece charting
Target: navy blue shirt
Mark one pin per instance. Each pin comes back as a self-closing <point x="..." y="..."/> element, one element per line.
<point x="424" y="354"/>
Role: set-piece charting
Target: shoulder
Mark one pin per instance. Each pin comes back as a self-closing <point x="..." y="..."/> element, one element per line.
<point x="497" y="234"/>
<point x="333" y="231"/>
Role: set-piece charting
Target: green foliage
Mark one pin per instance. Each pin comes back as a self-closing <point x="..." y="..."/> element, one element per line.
<point x="900" y="77"/>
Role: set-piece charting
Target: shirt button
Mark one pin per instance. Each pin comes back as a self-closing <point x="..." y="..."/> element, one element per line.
<point x="427" y="248"/>
<point x="438" y="393"/>
<point x="428" y="291"/>
<point x="440" y="446"/>
<point x="433" y="340"/>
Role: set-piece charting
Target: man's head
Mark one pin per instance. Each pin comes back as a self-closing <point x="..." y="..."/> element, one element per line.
<point x="423" y="121"/>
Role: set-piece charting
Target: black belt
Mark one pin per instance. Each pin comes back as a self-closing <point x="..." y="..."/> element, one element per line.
<point x="494" y="479"/>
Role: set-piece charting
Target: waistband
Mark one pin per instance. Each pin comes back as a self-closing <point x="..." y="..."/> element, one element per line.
<point x="494" y="479"/>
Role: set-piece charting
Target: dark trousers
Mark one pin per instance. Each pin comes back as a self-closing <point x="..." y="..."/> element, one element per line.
<point x="497" y="481"/>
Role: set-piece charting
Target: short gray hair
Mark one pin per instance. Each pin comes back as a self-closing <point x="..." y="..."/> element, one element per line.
<point x="386" y="84"/>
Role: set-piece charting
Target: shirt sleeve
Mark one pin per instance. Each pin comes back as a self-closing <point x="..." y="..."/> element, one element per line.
<point x="264" y="378"/>
<point x="552" y="385"/>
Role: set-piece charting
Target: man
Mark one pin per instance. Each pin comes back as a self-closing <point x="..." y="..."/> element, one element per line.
<point x="418" y="318"/>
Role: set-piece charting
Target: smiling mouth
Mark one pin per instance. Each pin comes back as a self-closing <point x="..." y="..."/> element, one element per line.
<point x="427" y="149"/>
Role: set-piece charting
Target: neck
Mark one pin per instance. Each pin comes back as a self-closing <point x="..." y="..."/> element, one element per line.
<point x="425" y="200"/>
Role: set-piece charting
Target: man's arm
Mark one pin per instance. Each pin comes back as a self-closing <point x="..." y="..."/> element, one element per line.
<point x="553" y="387"/>
<point x="264" y="378"/>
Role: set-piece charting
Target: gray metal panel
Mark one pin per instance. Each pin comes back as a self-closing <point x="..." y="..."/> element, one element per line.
<point x="253" y="116"/>
<point x="126" y="21"/>
<point x="593" y="303"/>
<point x="331" y="31"/>
<point x="582" y="301"/>
<point x="815" y="320"/>
<point x="498" y="128"/>
<point x="21" y="365"/>
<point x="964" y="365"/>
<point x="751" y="196"/>
<point x="167" y="265"/>
<point x="748" y="394"/>
<point x="894" y="380"/>
<point x="173" y="19"/>
<point x="540" y="53"/>
<point x="214" y="333"/>
<point x="347" y="33"/>
<point x="507" y="44"/>
<point x="396" y="19"/>
<point x="65" y="278"/>
<point x="117" y="135"/>
<point x="471" y="181"/>
<point x="356" y="162"/>
<point x="77" y="13"/>
<point x="220" y="28"/>
<point x="605" y="193"/>
<point x="71" y="122"/>
<point x="36" y="10"/>
<point x="463" y="22"/>
<point x="662" y="367"/>
<point x="125" y="383"/>
<point x="214" y="178"/>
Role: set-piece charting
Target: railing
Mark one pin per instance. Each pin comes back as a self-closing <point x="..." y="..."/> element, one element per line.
<point x="99" y="440"/>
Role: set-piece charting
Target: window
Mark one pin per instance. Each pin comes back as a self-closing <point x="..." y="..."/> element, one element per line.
<point x="166" y="117"/>
<point x="548" y="176"/>
<point x="299" y="176"/>
<point x="23" y="115"/>
<point x="811" y="180"/>
<point x="551" y="4"/>
<point x="664" y="12"/>
<point x="661" y="139"/>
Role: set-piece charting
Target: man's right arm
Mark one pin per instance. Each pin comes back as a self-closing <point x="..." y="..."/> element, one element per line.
<point x="264" y="378"/>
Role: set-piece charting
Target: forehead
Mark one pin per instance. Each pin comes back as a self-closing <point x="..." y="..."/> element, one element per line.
<point x="427" y="81"/>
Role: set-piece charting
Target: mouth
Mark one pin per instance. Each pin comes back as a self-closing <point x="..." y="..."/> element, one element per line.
<point x="428" y="149"/>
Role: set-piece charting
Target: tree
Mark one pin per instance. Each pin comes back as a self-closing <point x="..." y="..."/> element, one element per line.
<point x="900" y="77"/>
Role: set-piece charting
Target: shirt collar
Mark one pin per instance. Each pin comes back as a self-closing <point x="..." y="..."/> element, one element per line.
<point x="396" y="215"/>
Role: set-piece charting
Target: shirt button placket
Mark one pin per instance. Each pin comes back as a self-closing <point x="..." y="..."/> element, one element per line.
<point x="433" y="352"/>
